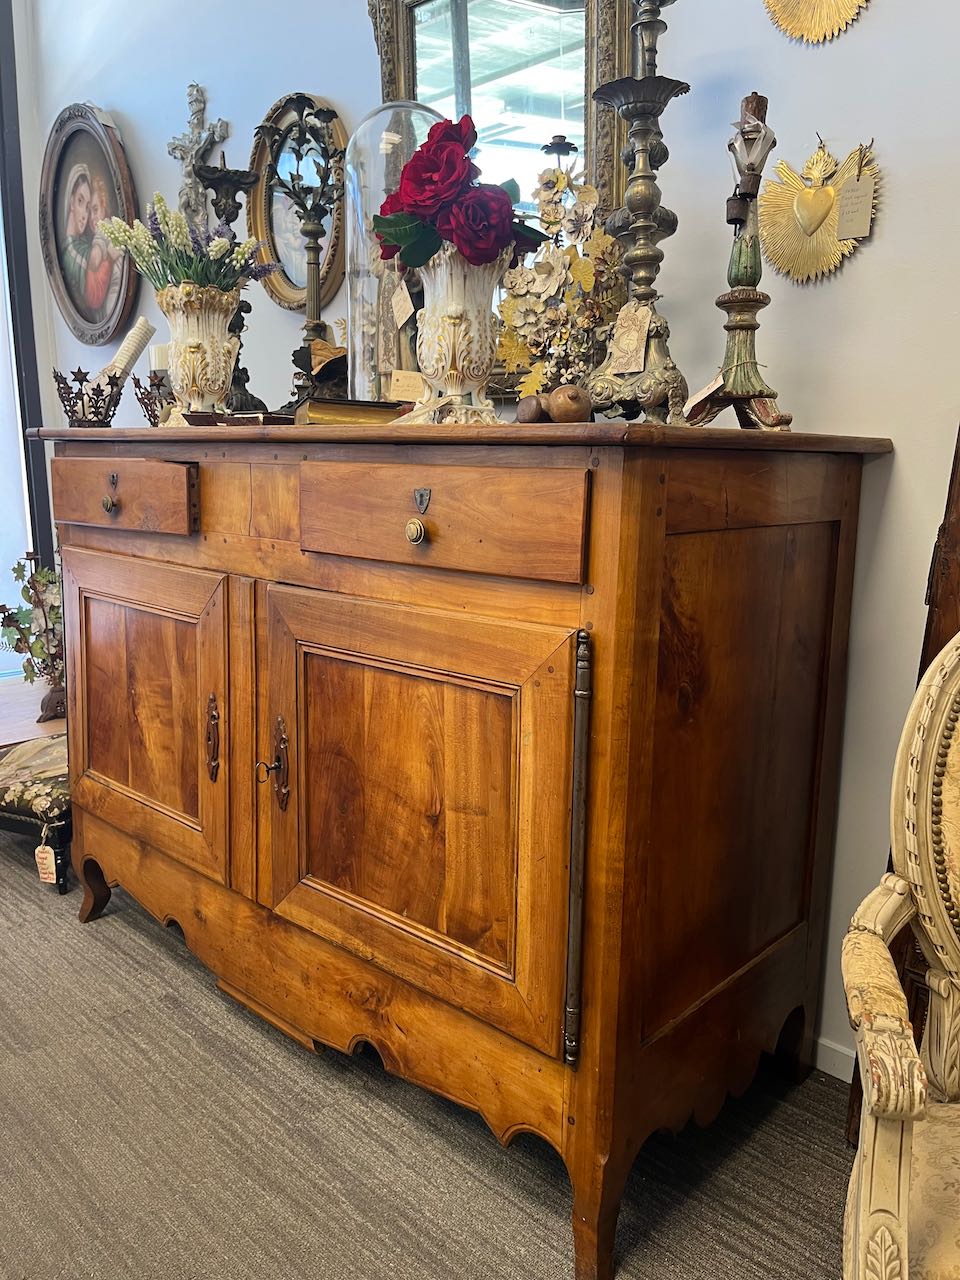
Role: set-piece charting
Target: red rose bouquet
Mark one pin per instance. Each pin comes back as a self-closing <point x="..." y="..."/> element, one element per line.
<point x="439" y="198"/>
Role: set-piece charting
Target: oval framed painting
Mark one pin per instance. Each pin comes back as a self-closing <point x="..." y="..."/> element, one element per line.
<point x="272" y="218"/>
<point x="85" y="178"/>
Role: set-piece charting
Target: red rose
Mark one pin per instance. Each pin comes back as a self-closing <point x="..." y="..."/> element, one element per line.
<point x="463" y="133"/>
<point x="433" y="177"/>
<point x="390" y="205"/>
<point x="480" y="223"/>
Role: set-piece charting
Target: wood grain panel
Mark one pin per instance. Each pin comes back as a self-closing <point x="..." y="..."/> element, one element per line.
<point x="746" y="618"/>
<point x="159" y="497"/>
<point x="147" y="646"/>
<point x="408" y="792"/>
<point x="431" y="781"/>
<point x="742" y="491"/>
<point x="142" y="689"/>
<point x="545" y="602"/>
<point x="512" y="434"/>
<point x="517" y="523"/>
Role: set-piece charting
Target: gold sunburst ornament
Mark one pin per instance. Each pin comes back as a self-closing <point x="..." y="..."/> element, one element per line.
<point x="814" y="20"/>
<point x="799" y="213"/>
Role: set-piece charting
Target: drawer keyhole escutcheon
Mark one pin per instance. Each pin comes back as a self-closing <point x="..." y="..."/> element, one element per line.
<point x="415" y="531"/>
<point x="110" y="505"/>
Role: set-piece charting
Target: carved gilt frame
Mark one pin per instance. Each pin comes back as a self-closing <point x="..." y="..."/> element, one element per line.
<point x="608" y="56"/>
<point x="279" y="286"/>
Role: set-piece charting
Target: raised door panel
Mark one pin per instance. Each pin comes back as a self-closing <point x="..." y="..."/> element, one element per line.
<point x="742" y="670"/>
<point x="148" y="702"/>
<point x="428" y="758"/>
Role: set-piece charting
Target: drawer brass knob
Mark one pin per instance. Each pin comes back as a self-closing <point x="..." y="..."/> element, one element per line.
<point x="110" y="505"/>
<point x="415" y="531"/>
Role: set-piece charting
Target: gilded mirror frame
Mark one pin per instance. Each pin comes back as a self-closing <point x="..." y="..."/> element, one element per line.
<point x="609" y="56"/>
<point x="279" y="286"/>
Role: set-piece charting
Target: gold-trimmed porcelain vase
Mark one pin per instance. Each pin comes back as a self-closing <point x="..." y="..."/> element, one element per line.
<point x="202" y="350"/>
<point x="457" y="337"/>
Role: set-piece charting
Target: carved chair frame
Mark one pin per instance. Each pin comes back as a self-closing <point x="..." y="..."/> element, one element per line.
<point x="925" y="892"/>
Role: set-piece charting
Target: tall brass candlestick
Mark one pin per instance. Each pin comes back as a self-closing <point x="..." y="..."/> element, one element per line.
<point x="638" y="374"/>
<point x="314" y="188"/>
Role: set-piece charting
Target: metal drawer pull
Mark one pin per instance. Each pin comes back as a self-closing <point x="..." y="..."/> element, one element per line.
<point x="110" y="505"/>
<point x="415" y="531"/>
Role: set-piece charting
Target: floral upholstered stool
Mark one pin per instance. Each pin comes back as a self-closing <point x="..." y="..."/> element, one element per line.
<point x="35" y="801"/>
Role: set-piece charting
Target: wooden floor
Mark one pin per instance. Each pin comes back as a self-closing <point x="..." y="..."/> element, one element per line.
<point x="19" y="708"/>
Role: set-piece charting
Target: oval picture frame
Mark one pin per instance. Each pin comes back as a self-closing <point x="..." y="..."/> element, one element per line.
<point x="84" y="150"/>
<point x="285" y="291"/>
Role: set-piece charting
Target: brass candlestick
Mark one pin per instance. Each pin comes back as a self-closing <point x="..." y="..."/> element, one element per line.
<point x="653" y="385"/>
<point x="226" y="185"/>
<point x="310" y="140"/>
<point x="741" y="384"/>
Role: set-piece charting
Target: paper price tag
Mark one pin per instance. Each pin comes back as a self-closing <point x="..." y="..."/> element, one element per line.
<point x="708" y="390"/>
<point x="628" y="342"/>
<point x="855" y="210"/>
<point x="406" y="384"/>
<point x="46" y="863"/>
<point x="402" y="304"/>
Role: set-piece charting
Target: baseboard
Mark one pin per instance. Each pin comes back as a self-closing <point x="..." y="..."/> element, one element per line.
<point x="835" y="1059"/>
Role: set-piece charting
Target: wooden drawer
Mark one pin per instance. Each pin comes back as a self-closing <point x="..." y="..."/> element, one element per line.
<point x="127" y="493"/>
<point x="518" y="522"/>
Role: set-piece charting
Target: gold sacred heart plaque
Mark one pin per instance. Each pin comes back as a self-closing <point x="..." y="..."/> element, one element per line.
<point x="812" y="207"/>
<point x="814" y="21"/>
<point x="799" y="212"/>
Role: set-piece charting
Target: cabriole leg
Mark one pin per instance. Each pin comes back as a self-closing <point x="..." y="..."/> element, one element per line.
<point x="96" y="891"/>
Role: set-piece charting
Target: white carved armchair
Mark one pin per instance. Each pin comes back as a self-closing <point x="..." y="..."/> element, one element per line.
<point x="903" y="1209"/>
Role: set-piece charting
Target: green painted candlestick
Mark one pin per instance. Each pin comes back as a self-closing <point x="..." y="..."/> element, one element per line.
<point x="754" y="402"/>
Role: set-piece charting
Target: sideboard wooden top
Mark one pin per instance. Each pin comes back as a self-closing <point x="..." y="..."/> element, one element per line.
<point x="597" y="433"/>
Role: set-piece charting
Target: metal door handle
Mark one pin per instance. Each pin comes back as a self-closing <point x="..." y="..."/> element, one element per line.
<point x="280" y="767"/>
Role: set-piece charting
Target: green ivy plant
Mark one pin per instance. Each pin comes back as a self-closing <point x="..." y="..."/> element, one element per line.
<point x="35" y="627"/>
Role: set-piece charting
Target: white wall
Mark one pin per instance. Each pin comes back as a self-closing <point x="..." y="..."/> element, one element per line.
<point x="872" y="351"/>
<point x="135" y="61"/>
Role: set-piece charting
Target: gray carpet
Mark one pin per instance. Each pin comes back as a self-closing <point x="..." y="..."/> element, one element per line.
<point x="152" y="1129"/>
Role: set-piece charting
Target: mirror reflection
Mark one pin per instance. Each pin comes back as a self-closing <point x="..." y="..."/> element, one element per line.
<point x="516" y="66"/>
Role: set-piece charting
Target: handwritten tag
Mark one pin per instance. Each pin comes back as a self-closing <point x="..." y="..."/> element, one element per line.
<point x="402" y="304"/>
<point x="46" y="863"/>
<point x="697" y="396"/>
<point x="628" y="342"/>
<point x="406" y="384"/>
<point x="855" y="211"/>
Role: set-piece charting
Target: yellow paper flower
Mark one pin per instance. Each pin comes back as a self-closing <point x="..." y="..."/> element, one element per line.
<point x="513" y="351"/>
<point x="534" y="382"/>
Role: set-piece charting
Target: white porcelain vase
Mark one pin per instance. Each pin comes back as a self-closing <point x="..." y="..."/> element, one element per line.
<point x="457" y="337"/>
<point x="202" y="351"/>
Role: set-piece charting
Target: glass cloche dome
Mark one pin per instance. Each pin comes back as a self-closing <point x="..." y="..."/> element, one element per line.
<point x="382" y="144"/>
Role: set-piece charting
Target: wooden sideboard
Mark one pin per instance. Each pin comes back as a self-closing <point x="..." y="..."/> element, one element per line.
<point x="509" y="751"/>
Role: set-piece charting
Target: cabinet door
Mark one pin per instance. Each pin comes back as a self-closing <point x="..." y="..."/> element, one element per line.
<point x="420" y="813"/>
<point x="147" y="685"/>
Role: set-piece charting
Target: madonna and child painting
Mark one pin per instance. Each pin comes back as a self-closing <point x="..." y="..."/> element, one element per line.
<point x="86" y="180"/>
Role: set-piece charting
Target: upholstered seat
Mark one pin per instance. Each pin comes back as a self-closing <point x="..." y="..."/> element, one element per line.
<point x="903" y="1209"/>
<point x="33" y="779"/>
<point x="35" y="796"/>
<point x="935" y="1195"/>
